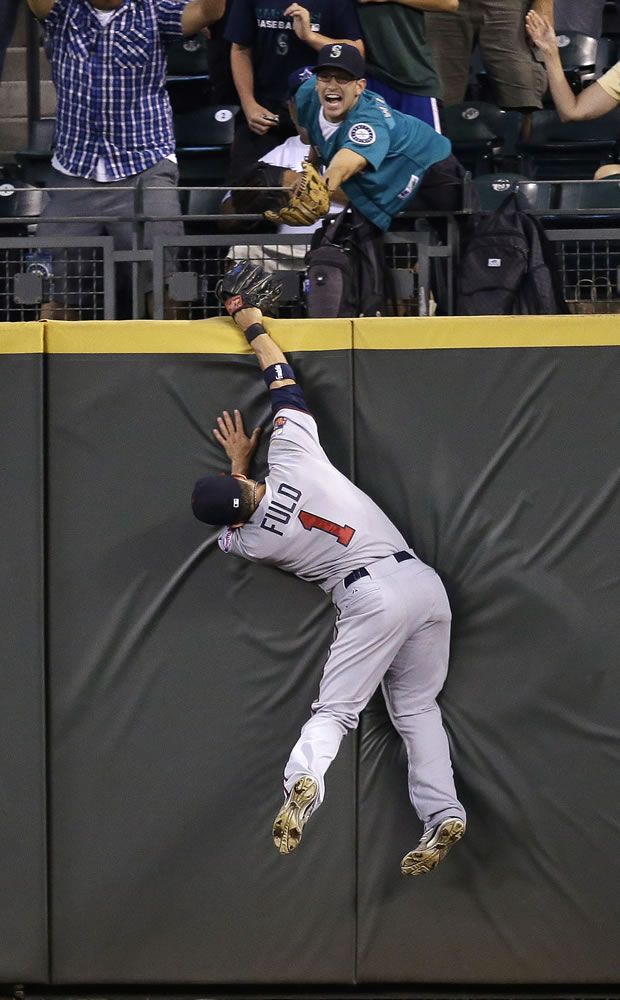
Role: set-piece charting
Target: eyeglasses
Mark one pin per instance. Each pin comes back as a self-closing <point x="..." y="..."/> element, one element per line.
<point x="336" y="77"/>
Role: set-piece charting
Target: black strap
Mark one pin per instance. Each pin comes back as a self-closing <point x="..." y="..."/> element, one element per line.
<point x="357" y="574"/>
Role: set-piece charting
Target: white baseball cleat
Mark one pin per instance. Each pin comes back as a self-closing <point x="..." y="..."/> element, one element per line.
<point x="433" y="846"/>
<point x="293" y="815"/>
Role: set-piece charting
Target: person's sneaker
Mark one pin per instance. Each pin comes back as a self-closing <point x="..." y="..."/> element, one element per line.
<point x="292" y="817"/>
<point x="433" y="846"/>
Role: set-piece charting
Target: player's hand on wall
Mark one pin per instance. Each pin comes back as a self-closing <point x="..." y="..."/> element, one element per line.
<point x="230" y="433"/>
<point x="301" y="21"/>
<point x="541" y="32"/>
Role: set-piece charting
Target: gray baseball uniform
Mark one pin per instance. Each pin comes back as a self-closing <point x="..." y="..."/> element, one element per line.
<point x="393" y="617"/>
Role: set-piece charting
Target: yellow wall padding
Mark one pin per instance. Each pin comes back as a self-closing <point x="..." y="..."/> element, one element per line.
<point x="211" y="336"/>
<point x="446" y="332"/>
<point x="21" y="338"/>
<point x="221" y="336"/>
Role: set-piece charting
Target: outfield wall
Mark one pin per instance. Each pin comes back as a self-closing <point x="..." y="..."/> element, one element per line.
<point x="153" y="687"/>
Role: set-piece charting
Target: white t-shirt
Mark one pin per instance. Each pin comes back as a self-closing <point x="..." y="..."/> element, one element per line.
<point x="327" y="128"/>
<point x="276" y="257"/>
<point x="291" y="154"/>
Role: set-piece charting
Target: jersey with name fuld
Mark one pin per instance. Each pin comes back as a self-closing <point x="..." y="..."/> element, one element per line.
<point x="312" y="520"/>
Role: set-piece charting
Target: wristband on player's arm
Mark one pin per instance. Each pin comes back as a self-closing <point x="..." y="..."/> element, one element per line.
<point x="254" y="331"/>
<point x="274" y="373"/>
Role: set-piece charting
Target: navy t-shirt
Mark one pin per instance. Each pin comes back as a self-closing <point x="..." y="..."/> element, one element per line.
<point x="276" y="49"/>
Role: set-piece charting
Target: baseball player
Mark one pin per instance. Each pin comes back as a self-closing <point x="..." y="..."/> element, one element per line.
<point x="392" y="613"/>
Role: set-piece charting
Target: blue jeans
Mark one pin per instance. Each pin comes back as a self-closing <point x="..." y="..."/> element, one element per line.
<point x="8" y="18"/>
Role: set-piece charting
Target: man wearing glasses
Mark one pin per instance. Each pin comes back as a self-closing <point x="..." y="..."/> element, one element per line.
<point x="380" y="158"/>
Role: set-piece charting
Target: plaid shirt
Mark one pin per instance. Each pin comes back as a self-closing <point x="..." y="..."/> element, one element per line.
<point x="110" y="84"/>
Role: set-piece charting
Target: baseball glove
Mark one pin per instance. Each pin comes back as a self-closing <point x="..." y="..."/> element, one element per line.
<point x="247" y="286"/>
<point x="308" y="204"/>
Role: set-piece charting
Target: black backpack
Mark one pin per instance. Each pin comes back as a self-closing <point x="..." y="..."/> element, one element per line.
<point x="346" y="268"/>
<point x="507" y="268"/>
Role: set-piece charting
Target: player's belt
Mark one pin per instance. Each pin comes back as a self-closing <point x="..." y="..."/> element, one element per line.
<point x="357" y="574"/>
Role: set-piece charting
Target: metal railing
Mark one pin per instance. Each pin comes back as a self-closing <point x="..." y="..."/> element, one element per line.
<point x="90" y="279"/>
<point x="87" y="278"/>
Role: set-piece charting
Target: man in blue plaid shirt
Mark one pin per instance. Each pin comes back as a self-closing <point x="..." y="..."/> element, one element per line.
<point x="114" y="126"/>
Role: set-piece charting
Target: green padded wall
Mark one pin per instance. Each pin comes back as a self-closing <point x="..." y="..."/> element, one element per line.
<point x="23" y="878"/>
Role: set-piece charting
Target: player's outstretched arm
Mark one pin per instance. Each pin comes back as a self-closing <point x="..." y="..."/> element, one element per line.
<point x="265" y="348"/>
<point x="245" y="291"/>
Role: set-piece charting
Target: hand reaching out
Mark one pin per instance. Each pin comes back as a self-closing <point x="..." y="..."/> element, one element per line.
<point x="541" y="32"/>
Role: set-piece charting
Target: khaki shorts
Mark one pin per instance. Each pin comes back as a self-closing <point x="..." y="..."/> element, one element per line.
<point x="499" y="28"/>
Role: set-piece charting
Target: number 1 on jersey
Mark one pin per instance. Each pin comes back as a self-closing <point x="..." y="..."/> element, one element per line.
<point x="343" y="534"/>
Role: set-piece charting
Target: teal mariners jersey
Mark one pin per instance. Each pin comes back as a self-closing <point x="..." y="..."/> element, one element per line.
<point x="398" y="147"/>
<point x="312" y="520"/>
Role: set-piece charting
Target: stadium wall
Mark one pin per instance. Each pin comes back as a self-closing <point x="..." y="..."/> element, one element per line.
<point x="153" y="686"/>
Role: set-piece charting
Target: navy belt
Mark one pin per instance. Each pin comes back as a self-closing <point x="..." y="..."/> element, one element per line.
<point x="357" y="574"/>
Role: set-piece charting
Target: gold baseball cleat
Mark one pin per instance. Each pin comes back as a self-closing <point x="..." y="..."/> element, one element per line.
<point x="433" y="846"/>
<point x="293" y="815"/>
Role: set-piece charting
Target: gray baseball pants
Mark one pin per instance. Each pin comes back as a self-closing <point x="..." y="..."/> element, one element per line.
<point x="393" y="629"/>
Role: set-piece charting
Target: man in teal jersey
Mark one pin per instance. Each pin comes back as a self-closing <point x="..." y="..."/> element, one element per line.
<point x="380" y="158"/>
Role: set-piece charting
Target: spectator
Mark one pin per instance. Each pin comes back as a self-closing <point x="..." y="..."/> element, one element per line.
<point x="267" y="45"/>
<point x="113" y="121"/>
<point x="290" y="155"/>
<point x="223" y="90"/>
<point x="381" y="158"/>
<point x="498" y="27"/>
<point x="606" y="172"/>
<point x="592" y="102"/>
<point x="8" y="20"/>
<point x="399" y="61"/>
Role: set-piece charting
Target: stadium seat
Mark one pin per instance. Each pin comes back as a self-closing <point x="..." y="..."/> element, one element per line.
<point x="19" y="200"/>
<point x="35" y="162"/>
<point x="483" y="136"/>
<point x="201" y="201"/>
<point x="578" y="57"/>
<point x="188" y="57"/>
<point x="603" y="194"/>
<point x="494" y="189"/>
<point x="188" y="82"/>
<point x="203" y="140"/>
<point x="557" y="150"/>
<point x="606" y="55"/>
